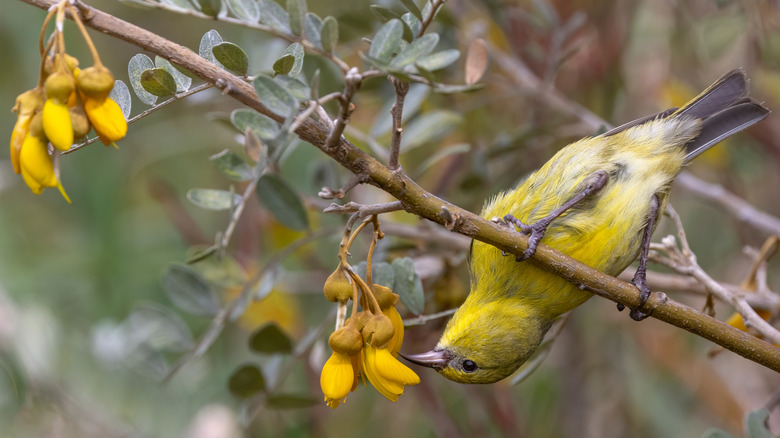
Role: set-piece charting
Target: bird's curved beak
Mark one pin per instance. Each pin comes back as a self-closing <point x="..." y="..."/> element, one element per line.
<point x="432" y="359"/>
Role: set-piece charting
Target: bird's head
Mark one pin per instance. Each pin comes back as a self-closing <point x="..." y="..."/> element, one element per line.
<point x="485" y="342"/>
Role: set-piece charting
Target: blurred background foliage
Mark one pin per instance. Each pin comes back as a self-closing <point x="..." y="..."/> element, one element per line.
<point x="87" y="332"/>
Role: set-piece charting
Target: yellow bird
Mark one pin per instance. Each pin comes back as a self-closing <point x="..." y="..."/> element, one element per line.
<point x="597" y="200"/>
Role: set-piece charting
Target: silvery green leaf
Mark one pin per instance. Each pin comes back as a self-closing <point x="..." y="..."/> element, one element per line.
<point x="212" y="199"/>
<point x="232" y="166"/>
<point x="121" y="95"/>
<point x="273" y="15"/>
<point x="420" y="47"/>
<point x="210" y="7"/>
<point x="245" y="118"/>
<point x="387" y="41"/>
<point x="209" y="40"/>
<point x="439" y="60"/>
<point x="408" y="285"/>
<point x="274" y="96"/>
<point x="283" y="202"/>
<point x="329" y="34"/>
<point x="296" y="50"/>
<point x="298" y="89"/>
<point x="412" y="23"/>
<point x="297" y="13"/>
<point x="138" y="64"/>
<point x="183" y="82"/>
<point x="313" y="26"/>
<point x="245" y="10"/>
<point x="429" y="127"/>
<point x="412" y="7"/>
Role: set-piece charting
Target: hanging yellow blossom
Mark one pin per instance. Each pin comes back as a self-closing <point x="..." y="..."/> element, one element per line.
<point x="27" y="104"/>
<point x="105" y="115"/>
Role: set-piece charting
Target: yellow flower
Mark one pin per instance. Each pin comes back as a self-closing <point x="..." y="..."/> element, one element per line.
<point x="386" y="373"/>
<point x="338" y="378"/>
<point x="57" y="124"/>
<point x="37" y="167"/>
<point x="106" y="118"/>
<point x="398" y="325"/>
<point x="26" y="105"/>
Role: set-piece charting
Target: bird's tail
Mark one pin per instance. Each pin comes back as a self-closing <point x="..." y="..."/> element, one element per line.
<point x="724" y="108"/>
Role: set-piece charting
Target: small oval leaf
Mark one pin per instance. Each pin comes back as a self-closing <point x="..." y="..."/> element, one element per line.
<point x="282" y="201"/>
<point x="263" y="127"/>
<point x="138" y="64"/>
<point x="245" y="10"/>
<point x="183" y="81"/>
<point x="188" y="291"/>
<point x="296" y="51"/>
<point x="158" y="82"/>
<point x="273" y="15"/>
<point x="210" y="7"/>
<point x="408" y="285"/>
<point x="283" y="65"/>
<point x="298" y="89"/>
<point x="476" y="61"/>
<point x="312" y="28"/>
<point x="232" y="166"/>
<point x="329" y="34"/>
<point x="209" y="40"/>
<point x="274" y="96"/>
<point x="413" y="8"/>
<point x="387" y="41"/>
<point x="121" y="95"/>
<point x="420" y="47"/>
<point x="439" y="60"/>
<point x="231" y="57"/>
<point x="246" y="381"/>
<point x="212" y="199"/>
<point x="297" y="13"/>
<point x="269" y="338"/>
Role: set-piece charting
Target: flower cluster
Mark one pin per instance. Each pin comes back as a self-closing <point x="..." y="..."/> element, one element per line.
<point x="367" y="343"/>
<point x="62" y="108"/>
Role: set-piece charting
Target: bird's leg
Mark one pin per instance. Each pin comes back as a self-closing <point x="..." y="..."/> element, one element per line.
<point x="640" y="277"/>
<point x="595" y="182"/>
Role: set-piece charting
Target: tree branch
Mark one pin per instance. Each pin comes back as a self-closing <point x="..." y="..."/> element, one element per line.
<point x="422" y="203"/>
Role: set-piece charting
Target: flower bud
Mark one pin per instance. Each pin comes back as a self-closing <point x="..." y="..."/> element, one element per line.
<point x="59" y="86"/>
<point x="337" y="287"/>
<point x="384" y="296"/>
<point x="36" y="126"/>
<point x="346" y="340"/>
<point x="95" y="82"/>
<point x="79" y="121"/>
<point x="378" y="331"/>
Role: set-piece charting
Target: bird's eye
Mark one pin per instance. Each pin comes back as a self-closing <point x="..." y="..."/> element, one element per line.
<point x="469" y="366"/>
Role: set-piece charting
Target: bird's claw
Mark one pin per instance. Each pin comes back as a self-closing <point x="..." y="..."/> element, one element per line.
<point x="644" y="293"/>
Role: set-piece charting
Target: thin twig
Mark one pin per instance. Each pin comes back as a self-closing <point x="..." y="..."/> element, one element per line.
<point x="429" y="19"/>
<point x="352" y="80"/>
<point x="364" y="210"/>
<point x="422" y="319"/>
<point x="328" y="193"/>
<point x="401" y="88"/>
<point x="174" y="98"/>
<point x="312" y="108"/>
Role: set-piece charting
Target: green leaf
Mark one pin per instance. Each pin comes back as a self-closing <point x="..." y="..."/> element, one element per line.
<point x="282" y="201"/>
<point x="209" y="40"/>
<point x="452" y="89"/>
<point x="287" y="401"/>
<point x="159" y="328"/>
<point x="283" y="65"/>
<point x="715" y="433"/>
<point x="297" y="12"/>
<point x="383" y="14"/>
<point x="330" y="34"/>
<point x="408" y="285"/>
<point x="455" y="149"/>
<point x="429" y="127"/>
<point x="412" y="7"/>
<point x="298" y="89"/>
<point x="210" y="7"/>
<point x="296" y="50"/>
<point x="245" y="10"/>
<point x="246" y="381"/>
<point x="212" y="199"/>
<point x="439" y="60"/>
<point x="233" y="166"/>
<point x="274" y="96"/>
<point x="420" y="47"/>
<point x="158" y="82"/>
<point x="188" y="291"/>
<point x="183" y="82"/>
<point x="387" y="41"/>
<point x="263" y="127"/>
<point x="121" y="95"/>
<point x="231" y="57"/>
<point x="273" y="15"/>
<point x="313" y="27"/>
<point x="412" y="23"/>
<point x="383" y="274"/>
<point x="756" y="424"/>
<point x="138" y="64"/>
<point x="269" y="338"/>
